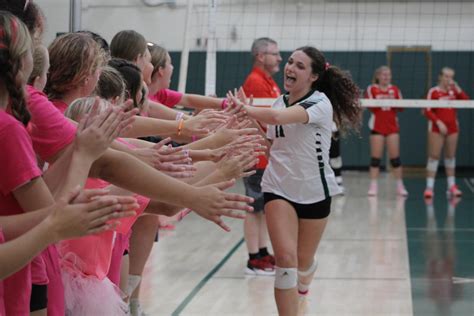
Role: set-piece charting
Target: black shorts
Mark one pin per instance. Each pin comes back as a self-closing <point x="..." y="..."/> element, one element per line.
<point x="39" y="297"/>
<point x="316" y="210"/>
<point x="253" y="189"/>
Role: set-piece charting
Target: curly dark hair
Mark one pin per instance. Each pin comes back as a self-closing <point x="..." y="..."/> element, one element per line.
<point x="339" y="87"/>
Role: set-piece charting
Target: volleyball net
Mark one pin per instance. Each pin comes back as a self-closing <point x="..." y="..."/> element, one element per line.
<point x="416" y="39"/>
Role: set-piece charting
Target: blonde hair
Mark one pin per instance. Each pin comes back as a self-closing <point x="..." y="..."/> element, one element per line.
<point x="82" y="106"/>
<point x="15" y="42"/>
<point x="73" y="57"/>
<point x="110" y="84"/>
<point x="39" y="61"/>
<point x="377" y="72"/>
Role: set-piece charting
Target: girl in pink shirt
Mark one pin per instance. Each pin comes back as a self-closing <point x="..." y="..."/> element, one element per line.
<point x="22" y="188"/>
<point x="160" y="82"/>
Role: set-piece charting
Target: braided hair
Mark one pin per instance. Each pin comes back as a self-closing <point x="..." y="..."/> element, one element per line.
<point x="15" y="43"/>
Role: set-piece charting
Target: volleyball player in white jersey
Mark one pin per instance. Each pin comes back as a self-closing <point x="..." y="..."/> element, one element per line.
<point x="298" y="183"/>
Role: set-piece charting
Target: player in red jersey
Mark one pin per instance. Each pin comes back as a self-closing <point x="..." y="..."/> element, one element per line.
<point x="384" y="127"/>
<point x="443" y="129"/>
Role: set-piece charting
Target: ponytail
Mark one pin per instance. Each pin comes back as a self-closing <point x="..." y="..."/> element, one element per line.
<point x="338" y="86"/>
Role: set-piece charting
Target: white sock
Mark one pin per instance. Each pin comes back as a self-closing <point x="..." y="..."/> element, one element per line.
<point x="430" y="211"/>
<point x="133" y="281"/>
<point x="373" y="183"/>
<point x="451" y="210"/>
<point x="451" y="181"/>
<point x="430" y="183"/>
<point x="303" y="288"/>
<point x="400" y="183"/>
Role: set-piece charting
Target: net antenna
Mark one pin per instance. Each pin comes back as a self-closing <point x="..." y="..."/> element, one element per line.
<point x="183" y="66"/>
<point x="210" y="88"/>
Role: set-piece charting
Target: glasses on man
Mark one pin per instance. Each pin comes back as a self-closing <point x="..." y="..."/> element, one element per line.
<point x="273" y="54"/>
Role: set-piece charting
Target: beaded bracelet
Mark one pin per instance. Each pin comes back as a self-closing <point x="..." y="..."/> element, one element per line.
<point x="180" y="126"/>
<point x="179" y="116"/>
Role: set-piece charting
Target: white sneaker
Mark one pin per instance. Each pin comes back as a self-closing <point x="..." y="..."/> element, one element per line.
<point x="136" y="309"/>
<point x="373" y="189"/>
<point x="401" y="191"/>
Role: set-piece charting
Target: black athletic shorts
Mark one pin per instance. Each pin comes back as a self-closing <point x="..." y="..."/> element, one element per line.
<point x="39" y="297"/>
<point x="253" y="189"/>
<point x="316" y="210"/>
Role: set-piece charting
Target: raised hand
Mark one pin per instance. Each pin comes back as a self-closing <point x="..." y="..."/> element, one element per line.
<point x="239" y="145"/>
<point x="213" y="202"/>
<point x="227" y="134"/>
<point x="95" y="132"/>
<point x="95" y="216"/>
<point x="202" y="124"/>
<point x="238" y="164"/>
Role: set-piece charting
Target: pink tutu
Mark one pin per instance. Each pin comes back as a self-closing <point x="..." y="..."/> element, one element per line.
<point x="88" y="295"/>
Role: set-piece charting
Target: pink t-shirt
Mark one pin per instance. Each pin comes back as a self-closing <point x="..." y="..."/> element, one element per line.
<point x="19" y="166"/>
<point x="50" y="131"/>
<point x="2" y="305"/>
<point x="167" y="97"/>
<point x="60" y="105"/>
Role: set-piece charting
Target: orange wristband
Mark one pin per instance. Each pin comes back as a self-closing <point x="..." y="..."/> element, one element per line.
<point x="180" y="126"/>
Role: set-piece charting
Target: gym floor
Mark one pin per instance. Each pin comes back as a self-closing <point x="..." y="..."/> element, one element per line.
<point x="379" y="256"/>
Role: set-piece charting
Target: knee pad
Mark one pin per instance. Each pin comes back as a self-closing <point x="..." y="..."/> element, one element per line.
<point x="432" y="165"/>
<point x="396" y="162"/>
<point x="450" y="163"/>
<point x="310" y="270"/>
<point x="375" y="162"/>
<point x="336" y="163"/>
<point x="285" y="278"/>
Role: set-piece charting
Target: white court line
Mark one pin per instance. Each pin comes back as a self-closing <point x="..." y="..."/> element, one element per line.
<point x="469" y="184"/>
<point x="457" y="280"/>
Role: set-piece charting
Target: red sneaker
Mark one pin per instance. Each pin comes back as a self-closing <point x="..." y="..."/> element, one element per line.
<point x="454" y="191"/>
<point x="259" y="267"/>
<point x="428" y="193"/>
<point x="269" y="258"/>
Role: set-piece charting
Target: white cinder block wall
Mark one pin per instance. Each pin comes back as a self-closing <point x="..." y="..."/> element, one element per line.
<point x="329" y="25"/>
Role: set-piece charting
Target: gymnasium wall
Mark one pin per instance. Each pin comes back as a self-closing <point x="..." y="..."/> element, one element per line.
<point x="233" y="67"/>
<point x="354" y="35"/>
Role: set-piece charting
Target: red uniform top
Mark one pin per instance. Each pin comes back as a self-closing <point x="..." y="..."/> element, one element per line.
<point x="384" y="119"/>
<point x="446" y="115"/>
<point x="260" y="85"/>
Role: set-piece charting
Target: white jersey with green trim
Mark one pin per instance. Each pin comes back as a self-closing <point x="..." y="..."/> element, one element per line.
<point x="298" y="168"/>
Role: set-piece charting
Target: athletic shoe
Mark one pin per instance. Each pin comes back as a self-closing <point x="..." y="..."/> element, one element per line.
<point x="269" y="258"/>
<point x="454" y="191"/>
<point x="428" y="194"/>
<point x="342" y="188"/>
<point x="372" y="189"/>
<point x="136" y="309"/>
<point x="259" y="267"/>
<point x="401" y="191"/>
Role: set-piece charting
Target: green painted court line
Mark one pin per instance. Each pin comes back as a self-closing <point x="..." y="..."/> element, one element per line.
<point x="203" y="282"/>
